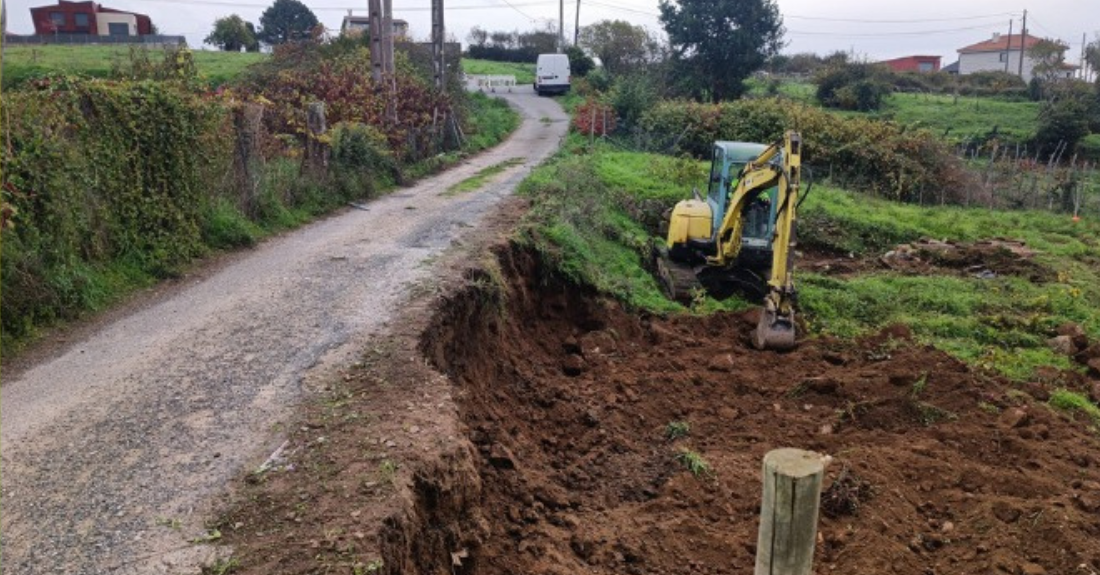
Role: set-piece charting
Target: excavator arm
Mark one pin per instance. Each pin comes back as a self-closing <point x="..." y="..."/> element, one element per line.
<point x="779" y="165"/>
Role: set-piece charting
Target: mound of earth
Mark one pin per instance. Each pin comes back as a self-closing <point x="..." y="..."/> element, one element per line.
<point x="567" y="401"/>
<point x="982" y="259"/>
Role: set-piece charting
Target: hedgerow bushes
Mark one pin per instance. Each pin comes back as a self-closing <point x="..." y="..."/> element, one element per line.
<point x="875" y="156"/>
<point x="100" y="171"/>
<point x="109" y="185"/>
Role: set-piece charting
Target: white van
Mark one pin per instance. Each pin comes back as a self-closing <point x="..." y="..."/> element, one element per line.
<point x="552" y="74"/>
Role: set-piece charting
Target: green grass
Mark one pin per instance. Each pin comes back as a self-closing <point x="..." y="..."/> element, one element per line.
<point x="677" y="429"/>
<point x="595" y="211"/>
<point x="965" y="117"/>
<point x="22" y="63"/>
<point x="694" y="463"/>
<point x="1072" y="401"/>
<point x="524" y="73"/>
<point x="481" y="177"/>
<point x="959" y="119"/>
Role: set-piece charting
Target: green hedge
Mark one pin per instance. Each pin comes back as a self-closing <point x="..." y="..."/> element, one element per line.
<point x="872" y="155"/>
<point x="97" y="172"/>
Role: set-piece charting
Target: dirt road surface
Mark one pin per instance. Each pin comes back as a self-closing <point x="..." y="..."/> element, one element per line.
<point x="113" y="449"/>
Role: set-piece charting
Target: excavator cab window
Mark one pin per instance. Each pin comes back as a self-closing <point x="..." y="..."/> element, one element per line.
<point x="714" y="191"/>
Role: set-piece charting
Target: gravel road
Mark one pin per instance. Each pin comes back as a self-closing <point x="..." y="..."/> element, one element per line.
<point x="114" y="449"/>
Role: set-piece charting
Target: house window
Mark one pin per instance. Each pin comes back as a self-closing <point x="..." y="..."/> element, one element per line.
<point x="81" y="20"/>
<point x="1004" y="57"/>
<point x="924" y="67"/>
<point x="57" y="18"/>
<point x="118" y="29"/>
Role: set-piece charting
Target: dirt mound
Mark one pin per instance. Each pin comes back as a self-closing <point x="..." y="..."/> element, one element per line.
<point x="580" y="415"/>
<point x="984" y="259"/>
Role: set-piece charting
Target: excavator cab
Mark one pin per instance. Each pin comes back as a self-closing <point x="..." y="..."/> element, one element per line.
<point x="758" y="218"/>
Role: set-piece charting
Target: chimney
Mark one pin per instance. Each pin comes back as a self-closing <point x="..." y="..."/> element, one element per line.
<point x="996" y="36"/>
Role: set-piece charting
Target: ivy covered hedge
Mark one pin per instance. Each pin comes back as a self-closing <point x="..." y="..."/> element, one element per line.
<point x="110" y="185"/>
<point x="876" y="156"/>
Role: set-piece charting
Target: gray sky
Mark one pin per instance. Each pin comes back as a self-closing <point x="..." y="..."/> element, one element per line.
<point x="877" y="29"/>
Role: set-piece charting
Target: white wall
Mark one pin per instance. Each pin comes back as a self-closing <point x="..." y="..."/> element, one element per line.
<point x="103" y="19"/>
<point x="990" y="61"/>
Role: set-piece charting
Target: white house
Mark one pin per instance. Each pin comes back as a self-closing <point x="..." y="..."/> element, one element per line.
<point x="360" y="24"/>
<point x="1002" y="53"/>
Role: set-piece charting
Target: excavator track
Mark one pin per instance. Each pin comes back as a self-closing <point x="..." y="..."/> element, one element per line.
<point x="678" y="281"/>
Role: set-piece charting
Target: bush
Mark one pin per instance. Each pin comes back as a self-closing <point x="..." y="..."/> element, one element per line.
<point x="579" y="62"/>
<point x="1089" y="147"/>
<point x="872" y="155"/>
<point x="360" y="157"/>
<point x="631" y="97"/>
<point x="594" y="118"/>
<point x="859" y="87"/>
<point x="1062" y="123"/>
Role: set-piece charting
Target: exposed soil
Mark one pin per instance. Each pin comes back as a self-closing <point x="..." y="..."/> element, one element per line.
<point x="566" y="398"/>
<point x="985" y="259"/>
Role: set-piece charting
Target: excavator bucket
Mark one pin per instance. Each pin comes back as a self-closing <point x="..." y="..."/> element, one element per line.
<point x="775" y="332"/>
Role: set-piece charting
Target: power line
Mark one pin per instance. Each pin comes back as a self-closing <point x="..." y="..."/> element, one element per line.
<point x="907" y="21"/>
<point x="886" y="34"/>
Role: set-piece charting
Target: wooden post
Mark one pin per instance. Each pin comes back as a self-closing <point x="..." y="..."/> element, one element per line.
<point x="377" y="58"/>
<point x="316" y="156"/>
<point x="788" y="513"/>
<point x="247" y="125"/>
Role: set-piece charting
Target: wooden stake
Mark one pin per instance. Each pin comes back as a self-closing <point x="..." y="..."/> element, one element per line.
<point x="788" y="513"/>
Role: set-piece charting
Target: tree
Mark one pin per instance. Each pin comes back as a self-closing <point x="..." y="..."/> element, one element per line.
<point x="1048" y="57"/>
<point x="621" y="46"/>
<point x="477" y="36"/>
<point x="579" y="62"/>
<point x="716" y="44"/>
<point x="232" y="33"/>
<point x="286" y="21"/>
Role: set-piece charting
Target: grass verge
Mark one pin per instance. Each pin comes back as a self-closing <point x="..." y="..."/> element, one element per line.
<point x="481" y="177"/>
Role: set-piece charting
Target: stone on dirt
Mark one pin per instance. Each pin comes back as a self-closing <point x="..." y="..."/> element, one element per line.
<point x="1062" y="345"/>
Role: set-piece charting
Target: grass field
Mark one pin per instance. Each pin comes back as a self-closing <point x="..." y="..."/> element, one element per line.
<point x="591" y="216"/>
<point x="958" y="119"/>
<point x="524" y="73"/>
<point x="964" y="117"/>
<point x="22" y="63"/>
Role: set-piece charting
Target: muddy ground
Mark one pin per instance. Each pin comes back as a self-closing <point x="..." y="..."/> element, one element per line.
<point x="547" y="449"/>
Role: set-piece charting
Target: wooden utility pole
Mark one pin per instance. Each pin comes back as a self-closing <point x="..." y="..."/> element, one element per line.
<point x="561" y="26"/>
<point x="788" y="512"/>
<point x="437" y="44"/>
<point x="387" y="36"/>
<point x="1023" y="44"/>
<point x="1008" y="49"/>
<point x="577" y="24"/>
<point x="377" y="65"/>
<point x="1084" y="44"/>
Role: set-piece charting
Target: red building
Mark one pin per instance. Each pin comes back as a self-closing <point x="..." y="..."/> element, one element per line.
<point x="88" y="18"/>
<point x="914" y="64"/>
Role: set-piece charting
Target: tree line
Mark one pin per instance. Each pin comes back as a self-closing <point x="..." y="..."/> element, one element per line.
<point x="282" y="22"/>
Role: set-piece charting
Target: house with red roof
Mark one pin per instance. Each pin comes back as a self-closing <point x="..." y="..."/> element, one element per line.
<point x="1002" y="53"/>
<point x="88" y="18"/>
<point x="913" y="64"/>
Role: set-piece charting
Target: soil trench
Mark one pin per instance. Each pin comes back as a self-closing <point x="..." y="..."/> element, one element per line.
<point x="577" y="416"/>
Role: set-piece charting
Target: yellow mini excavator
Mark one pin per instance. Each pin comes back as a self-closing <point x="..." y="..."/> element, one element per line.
<point x="741" y="235"/>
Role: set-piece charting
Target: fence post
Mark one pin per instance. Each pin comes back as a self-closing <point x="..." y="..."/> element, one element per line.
<point x="247" y="123"/>
<point x="316" y="159"/>
<point x="788" y="512"/>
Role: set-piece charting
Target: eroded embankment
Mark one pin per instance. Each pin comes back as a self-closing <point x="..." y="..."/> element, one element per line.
<point x="570" y="464"/>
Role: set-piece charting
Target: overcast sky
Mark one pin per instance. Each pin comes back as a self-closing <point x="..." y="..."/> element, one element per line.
<point x="877" y="29"/>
